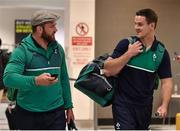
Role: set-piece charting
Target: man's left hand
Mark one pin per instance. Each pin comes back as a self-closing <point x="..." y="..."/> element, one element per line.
<point x="69" y="115"/>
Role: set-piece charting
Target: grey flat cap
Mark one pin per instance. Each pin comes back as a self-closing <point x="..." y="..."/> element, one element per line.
<point x="43" y="16"/>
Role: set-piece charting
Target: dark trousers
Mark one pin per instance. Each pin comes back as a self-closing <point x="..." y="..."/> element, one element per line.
<point x="50" y="120"/>
<point x="131" y="117"/>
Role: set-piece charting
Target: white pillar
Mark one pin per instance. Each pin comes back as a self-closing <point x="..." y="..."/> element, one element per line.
<point x="80" y="49"/>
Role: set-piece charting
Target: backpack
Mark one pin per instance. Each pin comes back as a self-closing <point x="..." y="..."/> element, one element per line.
<point x="159" y="53"/>
<point x="4" y="57"/>
<point x="94" y="84"/>
<point x="12" y="92"/>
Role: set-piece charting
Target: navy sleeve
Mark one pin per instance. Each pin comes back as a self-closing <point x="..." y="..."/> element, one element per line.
<point x="120" y="49"/>
<point x="164" y="70"/>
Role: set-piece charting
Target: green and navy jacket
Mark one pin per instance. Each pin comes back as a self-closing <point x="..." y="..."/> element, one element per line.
<point x="137" y="78"/>
<point x="29" y="60"/>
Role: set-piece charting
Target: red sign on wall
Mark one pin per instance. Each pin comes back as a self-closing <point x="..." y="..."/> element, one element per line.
<point x="82" y="41"/>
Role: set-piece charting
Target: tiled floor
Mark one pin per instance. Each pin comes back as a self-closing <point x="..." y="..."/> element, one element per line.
<point x="85" y="126"/>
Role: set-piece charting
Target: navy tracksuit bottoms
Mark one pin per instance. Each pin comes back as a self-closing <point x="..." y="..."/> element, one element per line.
<point x="131" y="117"/>
<point x="50" y="120"/>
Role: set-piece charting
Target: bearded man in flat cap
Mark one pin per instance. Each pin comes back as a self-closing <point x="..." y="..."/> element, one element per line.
<point x="37" y="69"/>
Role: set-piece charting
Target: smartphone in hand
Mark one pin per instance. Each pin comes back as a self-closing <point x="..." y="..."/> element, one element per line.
<point x="54" y="75"/>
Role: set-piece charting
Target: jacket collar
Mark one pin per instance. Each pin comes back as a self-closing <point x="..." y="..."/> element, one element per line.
<point x="154" y="45"/>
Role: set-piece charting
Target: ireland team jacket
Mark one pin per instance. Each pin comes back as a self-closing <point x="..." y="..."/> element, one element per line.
<point x="30" y="60"/>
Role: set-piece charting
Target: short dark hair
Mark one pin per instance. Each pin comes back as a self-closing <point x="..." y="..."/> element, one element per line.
<point x="150" y="15"/>
<point x="34" y="27"/>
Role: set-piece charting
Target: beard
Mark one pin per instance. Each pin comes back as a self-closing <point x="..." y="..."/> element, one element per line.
<point x="47" y="37"/>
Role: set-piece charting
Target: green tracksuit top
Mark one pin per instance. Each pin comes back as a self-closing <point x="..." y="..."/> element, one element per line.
<point x="30" y="60"/>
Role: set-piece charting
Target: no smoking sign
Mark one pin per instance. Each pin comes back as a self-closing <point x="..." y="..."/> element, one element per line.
<point x="82" y="29"/>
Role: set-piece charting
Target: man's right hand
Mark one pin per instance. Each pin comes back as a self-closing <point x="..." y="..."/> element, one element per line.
<point x="45" y="79"/>
<point x="113" y="66"/>
<point x="134" y="49"/>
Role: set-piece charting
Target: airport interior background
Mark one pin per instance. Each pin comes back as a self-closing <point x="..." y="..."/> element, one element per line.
<point x="105" y="22"/>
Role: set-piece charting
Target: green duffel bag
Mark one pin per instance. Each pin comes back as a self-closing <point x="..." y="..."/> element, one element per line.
<point x="96" y="86"/>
